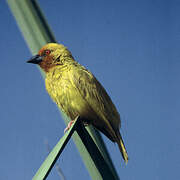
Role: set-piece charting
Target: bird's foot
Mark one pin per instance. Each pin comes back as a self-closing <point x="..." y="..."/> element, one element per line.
<point x="68" y="126"/>
<point x="85" y="124"/>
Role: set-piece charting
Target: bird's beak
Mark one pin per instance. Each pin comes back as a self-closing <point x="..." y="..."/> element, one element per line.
<point x="35" y="59"/>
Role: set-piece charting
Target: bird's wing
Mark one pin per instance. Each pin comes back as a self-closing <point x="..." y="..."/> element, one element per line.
<point x="96" y="96"/>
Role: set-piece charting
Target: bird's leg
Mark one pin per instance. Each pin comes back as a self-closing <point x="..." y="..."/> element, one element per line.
<point x="68" y="126"/>
<point x="85" y="124"/>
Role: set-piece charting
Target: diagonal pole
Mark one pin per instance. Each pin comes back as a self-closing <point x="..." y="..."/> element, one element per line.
<point x="89" y="144"/>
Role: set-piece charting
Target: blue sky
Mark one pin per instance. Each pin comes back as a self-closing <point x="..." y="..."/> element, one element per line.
<point x="132" y="47"/>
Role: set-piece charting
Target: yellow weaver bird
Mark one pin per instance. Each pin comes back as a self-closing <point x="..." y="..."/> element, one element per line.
<point x="78" y="93"/>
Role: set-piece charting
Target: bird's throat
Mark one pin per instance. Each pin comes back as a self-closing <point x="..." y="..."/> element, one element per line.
<point x="47" y="64"/>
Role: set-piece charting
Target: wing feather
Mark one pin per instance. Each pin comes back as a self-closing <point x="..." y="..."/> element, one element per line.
<point x="96" y="96"/>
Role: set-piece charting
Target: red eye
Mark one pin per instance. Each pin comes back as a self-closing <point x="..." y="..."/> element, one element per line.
<point x="47" y="52"/>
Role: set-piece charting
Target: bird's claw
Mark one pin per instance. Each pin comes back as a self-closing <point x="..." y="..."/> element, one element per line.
<point x="68" y="126"/>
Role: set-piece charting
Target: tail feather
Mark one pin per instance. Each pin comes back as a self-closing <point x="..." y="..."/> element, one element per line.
<point x="122" y="147"/>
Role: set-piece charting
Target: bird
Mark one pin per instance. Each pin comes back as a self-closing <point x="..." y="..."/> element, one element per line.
<point x="77" y="92"/>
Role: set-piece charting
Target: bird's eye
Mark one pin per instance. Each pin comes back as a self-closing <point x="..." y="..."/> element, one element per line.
<point x="47" y="52"/>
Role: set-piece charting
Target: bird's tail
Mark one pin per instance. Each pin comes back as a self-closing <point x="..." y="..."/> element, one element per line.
<point x="122" y="147"/>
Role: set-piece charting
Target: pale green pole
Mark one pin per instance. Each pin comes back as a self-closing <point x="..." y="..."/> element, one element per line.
<point x="37" y="33"/>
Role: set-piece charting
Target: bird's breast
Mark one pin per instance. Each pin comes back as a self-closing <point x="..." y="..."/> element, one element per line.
<point x="66" y="96"/>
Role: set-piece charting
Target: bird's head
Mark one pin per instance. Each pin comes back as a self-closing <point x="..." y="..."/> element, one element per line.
<point x="50" y="55"/>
